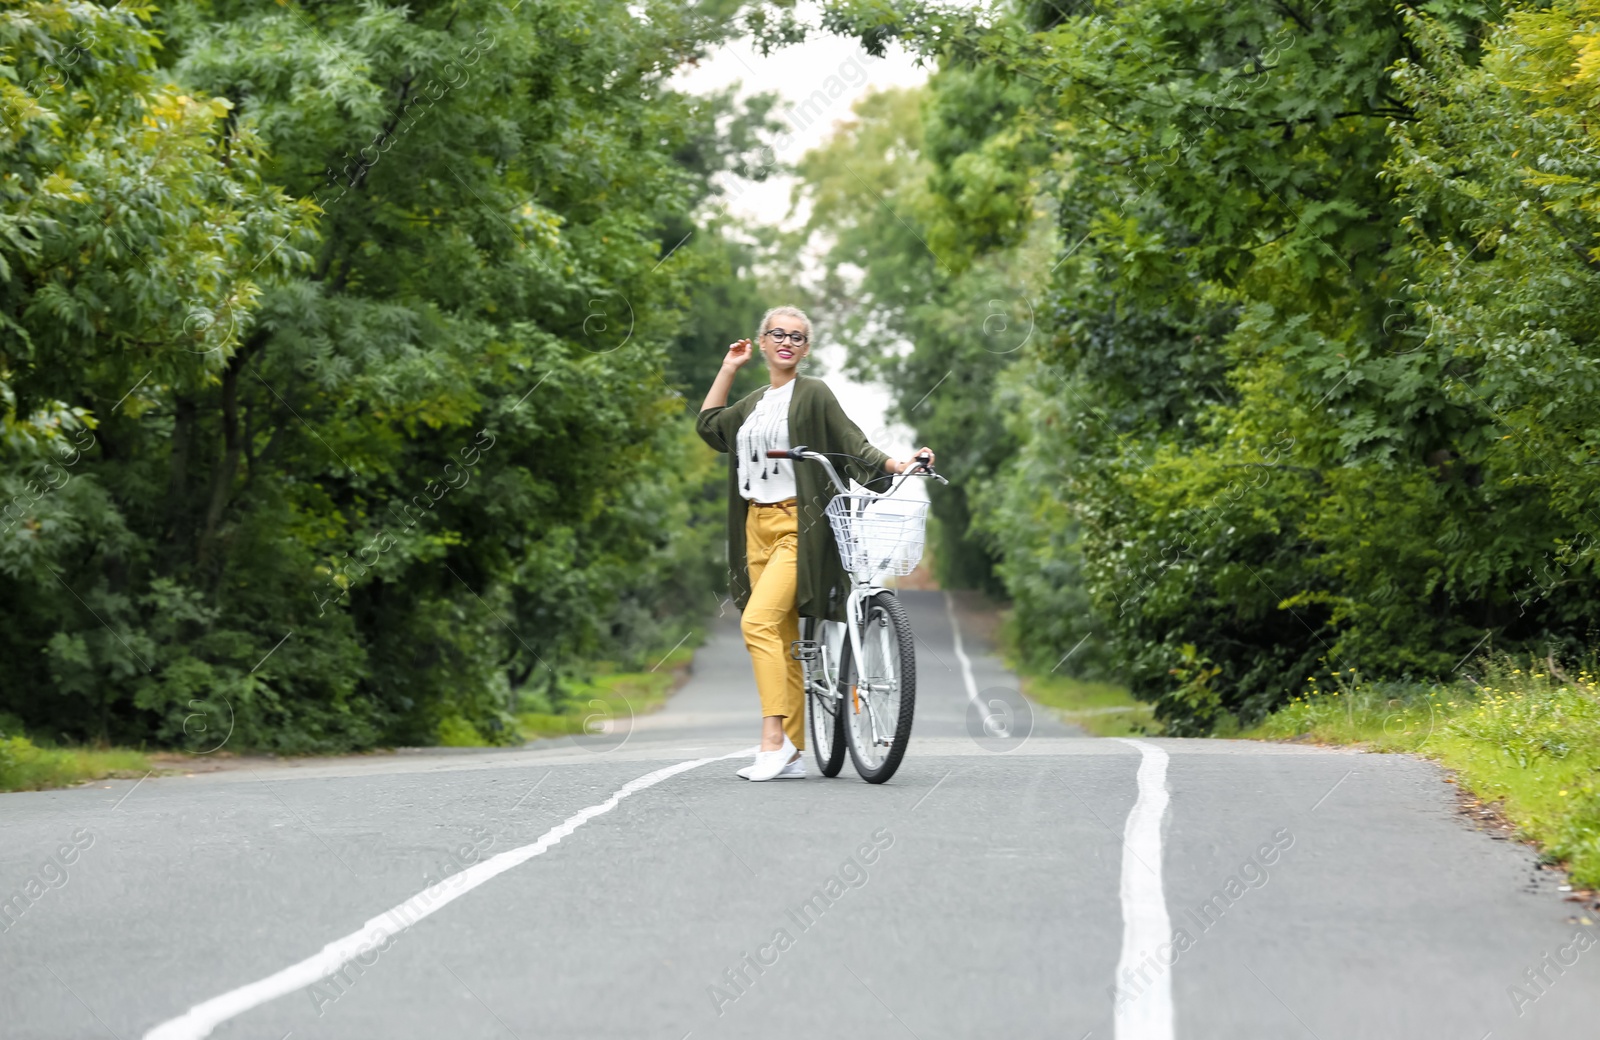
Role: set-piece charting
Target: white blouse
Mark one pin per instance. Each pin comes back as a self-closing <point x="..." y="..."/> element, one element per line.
<point x="766" y="427"/>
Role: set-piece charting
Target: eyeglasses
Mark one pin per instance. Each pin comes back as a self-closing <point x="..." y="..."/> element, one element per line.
<point x="780" y="336"/>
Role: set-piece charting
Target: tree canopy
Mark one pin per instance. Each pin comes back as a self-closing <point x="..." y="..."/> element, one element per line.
<point x="1311" y="383"/>
<point x="344" y="347"/>
<point x="341" y="357"/>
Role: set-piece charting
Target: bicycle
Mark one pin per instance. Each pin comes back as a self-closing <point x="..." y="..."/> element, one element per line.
<point x="869" y="708"/>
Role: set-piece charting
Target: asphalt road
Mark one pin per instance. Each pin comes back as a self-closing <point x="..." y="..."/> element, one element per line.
<point x="991" y="889"/>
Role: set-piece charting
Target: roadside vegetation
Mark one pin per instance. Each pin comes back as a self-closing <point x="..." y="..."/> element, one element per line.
<point x="27" y="767"/>
<point x="585" y="700"/>
<point x="1103" y="709"/>
<point x="1245" y="333"/>
<point x="1099" y="707"/>
<point x="320" y="327"/>
<point x="587" y="705"/>
<point x="1248" y="336"/>
<point x="1523" y="735"/>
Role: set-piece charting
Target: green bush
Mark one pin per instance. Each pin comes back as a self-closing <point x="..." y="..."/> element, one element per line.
<point x="24" y="767"/>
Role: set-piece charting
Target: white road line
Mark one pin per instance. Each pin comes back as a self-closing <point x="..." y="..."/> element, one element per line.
<point x="201" y="1019"/>
<point x="961" y="654"/>
<point x="1144" y="1003"/>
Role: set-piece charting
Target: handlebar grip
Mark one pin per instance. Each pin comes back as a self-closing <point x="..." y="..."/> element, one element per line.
<point x="778" y="453"/>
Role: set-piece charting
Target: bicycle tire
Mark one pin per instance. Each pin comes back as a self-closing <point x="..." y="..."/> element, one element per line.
<point x="824" y="725"/>
<point x="826" y="728"/>
<point x="901" y="645"/>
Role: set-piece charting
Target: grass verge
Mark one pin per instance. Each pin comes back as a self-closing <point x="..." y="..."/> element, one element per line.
<point x="1525" y="736"/>
<point x="1103" y="709"/>
<point x="25" y="767"/>
<point x="606" y="697"/>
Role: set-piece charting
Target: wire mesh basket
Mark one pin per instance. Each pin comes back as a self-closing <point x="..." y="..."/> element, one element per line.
<point x="878" y="535"/>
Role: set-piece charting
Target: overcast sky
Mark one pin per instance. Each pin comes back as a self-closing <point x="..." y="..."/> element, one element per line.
<point x="817" y="81"/>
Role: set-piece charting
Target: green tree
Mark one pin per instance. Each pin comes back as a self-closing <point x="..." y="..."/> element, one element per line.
<point x="921" y="308"/>
<point x="416" y="446"/>
<point x="1502" y="188"/>
<point x="136" y="243"/>
<point x="1285" y="413"/>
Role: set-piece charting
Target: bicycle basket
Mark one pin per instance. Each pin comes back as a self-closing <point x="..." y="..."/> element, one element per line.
<point x="878" y="535"/>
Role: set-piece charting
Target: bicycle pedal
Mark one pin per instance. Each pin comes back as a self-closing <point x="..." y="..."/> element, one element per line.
<point x="805" y="650"/>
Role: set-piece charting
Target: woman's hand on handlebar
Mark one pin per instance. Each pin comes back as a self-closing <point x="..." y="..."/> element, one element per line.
<point x="923" y="454"/>
<point x="738" y="354"/>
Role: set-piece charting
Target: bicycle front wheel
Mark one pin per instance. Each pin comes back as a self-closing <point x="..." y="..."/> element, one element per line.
<point x="883" y="690"/>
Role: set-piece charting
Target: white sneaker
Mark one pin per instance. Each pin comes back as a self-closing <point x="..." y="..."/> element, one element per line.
<point x="795" y="770"/>
<point x="769" y="764"/>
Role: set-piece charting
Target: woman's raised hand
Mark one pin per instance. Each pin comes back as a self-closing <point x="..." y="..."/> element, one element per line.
<point x="738" y="354"/>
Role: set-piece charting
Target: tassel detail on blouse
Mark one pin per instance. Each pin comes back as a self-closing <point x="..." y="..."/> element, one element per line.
<point x="760" y="437"/>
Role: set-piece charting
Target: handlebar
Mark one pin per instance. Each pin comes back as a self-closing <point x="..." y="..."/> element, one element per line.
<point x="920" y="468"/>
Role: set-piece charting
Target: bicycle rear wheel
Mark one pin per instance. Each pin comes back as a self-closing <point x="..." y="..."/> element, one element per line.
<point x="824" y="722"/>
<point x="827" y="734"/>
<point x="883" y="690"/>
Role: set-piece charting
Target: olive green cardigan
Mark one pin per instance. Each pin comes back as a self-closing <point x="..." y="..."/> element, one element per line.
<point x="816" y="421"/>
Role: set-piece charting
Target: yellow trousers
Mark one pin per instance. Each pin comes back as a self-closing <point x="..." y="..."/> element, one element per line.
<point x="771" y="619"/>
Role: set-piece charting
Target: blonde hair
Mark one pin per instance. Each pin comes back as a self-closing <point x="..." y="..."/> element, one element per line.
<point x="785" y="312"/>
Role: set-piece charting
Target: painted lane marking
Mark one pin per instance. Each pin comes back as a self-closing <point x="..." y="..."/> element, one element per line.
<point x="1143" y="1006"/>
<point x="961" y="653"/>
<point x="202" y="1018"/>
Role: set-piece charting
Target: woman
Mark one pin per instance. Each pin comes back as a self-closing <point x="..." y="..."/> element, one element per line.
<point x="781" y="557"/>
